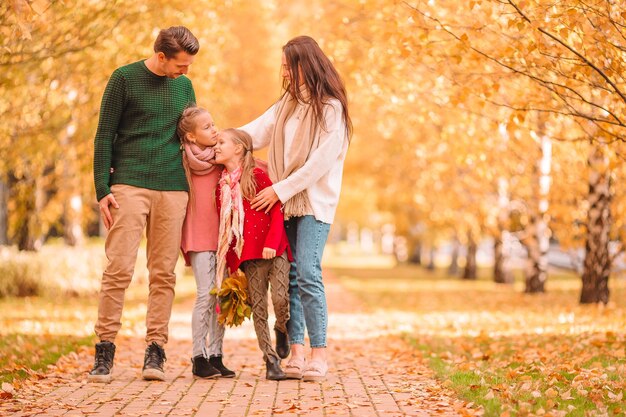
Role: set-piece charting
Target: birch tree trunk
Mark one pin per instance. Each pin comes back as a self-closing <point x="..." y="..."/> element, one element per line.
<point x="597" y="263"/>
<point x="537" y="241"/>
<point x="73" y="206"/>
<point x="501" y="271"/>
<point x="536" y="265"/>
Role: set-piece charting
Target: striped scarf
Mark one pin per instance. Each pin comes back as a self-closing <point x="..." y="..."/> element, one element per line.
<point x="231" y="220"/>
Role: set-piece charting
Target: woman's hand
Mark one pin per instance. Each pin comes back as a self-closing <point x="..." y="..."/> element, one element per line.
<point x="264" y="200"/>
<point x="269" y="253"/>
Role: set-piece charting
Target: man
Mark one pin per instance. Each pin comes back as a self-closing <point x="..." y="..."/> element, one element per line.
<point x="140" y="184"/>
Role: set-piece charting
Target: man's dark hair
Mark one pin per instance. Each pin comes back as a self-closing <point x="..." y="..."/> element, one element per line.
<point x="174" y="40"/>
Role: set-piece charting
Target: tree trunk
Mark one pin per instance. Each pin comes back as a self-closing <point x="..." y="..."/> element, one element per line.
<point x="416" y="253"/>
<point x="453" y="269"/>
<point x="597" y="263"/>
<point x="538" y="240"/>
<point x="501" y="247"/>
<point x="29" y="234"/>
<point x="501" y="253"/>
<point x="501" y="272"/>
<point x="431" y="259"/>
<point x="537" y="263"/>
<point x="73" y="205"/>
<point x="470" y="259"/>
<point x="24" y="237"/>
<point x="73" y="229"/>
<point x="25" y="233"/>
<point x="4" y="225"/>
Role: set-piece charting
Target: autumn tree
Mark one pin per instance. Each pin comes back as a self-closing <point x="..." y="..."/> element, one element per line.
<point x="570" y="51"/>
<point x="60" y="56"/>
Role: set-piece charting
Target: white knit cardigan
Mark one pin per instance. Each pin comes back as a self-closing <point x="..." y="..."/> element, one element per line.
<point x="321" y="174"/>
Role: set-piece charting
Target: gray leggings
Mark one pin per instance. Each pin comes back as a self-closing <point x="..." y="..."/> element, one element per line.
<point x="262" y="273"/>
<point x="204" y="317"/>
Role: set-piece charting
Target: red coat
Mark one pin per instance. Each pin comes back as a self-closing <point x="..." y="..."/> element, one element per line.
<point x="259" y="229"/>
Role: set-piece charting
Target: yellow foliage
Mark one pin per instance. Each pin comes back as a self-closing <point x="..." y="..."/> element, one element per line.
<point x="233" y="300"/>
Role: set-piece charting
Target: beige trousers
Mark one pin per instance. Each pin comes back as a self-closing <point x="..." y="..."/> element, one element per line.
<point x="161" y="214"/>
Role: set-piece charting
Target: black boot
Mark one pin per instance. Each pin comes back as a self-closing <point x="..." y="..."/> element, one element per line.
<point x="216" y="362"/>
<point x="202" y="368"/>
<point x="103" y="363"/>
<point x="273" y="370"/>
<point x="282" y="344"/>
<point x="153" y="363"/>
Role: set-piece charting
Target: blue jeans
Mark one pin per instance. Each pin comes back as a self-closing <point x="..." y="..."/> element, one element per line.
<point x="307" y="238"/>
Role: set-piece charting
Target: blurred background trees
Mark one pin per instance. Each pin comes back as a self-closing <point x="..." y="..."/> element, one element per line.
<point x="475" y="121"/>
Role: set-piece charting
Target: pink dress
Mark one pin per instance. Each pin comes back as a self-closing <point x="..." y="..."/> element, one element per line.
<point x="200" y="229"/>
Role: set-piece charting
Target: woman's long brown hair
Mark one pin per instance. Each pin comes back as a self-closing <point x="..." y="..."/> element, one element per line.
<point x="320" y="78"/>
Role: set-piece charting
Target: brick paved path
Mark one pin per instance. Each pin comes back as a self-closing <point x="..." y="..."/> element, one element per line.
<point x="372" y="373"/>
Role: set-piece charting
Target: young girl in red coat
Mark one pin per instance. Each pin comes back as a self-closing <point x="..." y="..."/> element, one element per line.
<point x="254" y="241"/>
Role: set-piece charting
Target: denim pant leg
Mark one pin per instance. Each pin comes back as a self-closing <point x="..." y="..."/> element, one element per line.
<point x="295" y="325"/>
<point x="307" y="238"/>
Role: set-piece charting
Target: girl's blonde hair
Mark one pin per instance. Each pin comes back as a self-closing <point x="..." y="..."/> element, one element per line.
<point x="247" y="181"/>
<point x="187" y="124"/>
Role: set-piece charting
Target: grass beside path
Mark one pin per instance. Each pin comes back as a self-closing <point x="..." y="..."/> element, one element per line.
<point x="36" y="331"/>
<point x="26" y="355"/>
<point x="515" y="354"/>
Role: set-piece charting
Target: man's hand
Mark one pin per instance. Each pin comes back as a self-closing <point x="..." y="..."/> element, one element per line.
<point x="269" y="253"/>
<point x="264" y="200"/>
<point x="104" y="203"/>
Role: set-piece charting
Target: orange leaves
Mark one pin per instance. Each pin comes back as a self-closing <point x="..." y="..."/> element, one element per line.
<point x="7" y="391"/>
<point x="234" y="301"/>
<point x="495" y="346"/>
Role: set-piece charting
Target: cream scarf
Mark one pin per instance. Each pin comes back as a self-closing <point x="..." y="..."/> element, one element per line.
<point x="304" y="141"/>
<point x="231" y="220"/>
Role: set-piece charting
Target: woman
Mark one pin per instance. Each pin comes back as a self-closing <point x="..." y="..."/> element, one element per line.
<point x="308" y="131"/>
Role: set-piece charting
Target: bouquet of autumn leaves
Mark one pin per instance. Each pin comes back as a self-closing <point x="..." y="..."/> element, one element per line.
<point x="234" y="304"/>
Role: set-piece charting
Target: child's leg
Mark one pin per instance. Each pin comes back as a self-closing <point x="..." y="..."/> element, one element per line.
<point x="279" y="281"/>
<point x="216" y="330"/>
<point x="257" y="271"/>
<point x="202" y="264"/>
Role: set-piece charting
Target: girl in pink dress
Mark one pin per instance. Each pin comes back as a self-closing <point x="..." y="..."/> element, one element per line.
<point x="198" y="135"/>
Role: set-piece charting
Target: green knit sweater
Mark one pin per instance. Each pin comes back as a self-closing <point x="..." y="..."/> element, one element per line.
<point x="136" y="136"/>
